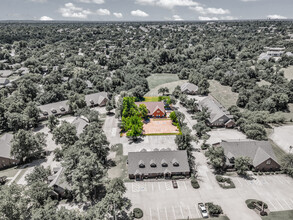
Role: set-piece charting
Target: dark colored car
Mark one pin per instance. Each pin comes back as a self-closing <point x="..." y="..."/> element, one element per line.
<point x="174" y="184"/>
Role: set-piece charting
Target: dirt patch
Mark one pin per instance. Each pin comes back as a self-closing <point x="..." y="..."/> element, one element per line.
<point x="159" y="126"/>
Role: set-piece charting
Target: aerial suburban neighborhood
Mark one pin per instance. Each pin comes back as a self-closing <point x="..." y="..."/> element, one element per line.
<point x="173" y="120"/>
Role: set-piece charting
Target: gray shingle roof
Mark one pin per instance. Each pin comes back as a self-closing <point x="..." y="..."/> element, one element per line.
<point x="152" y="106"/>
<point x="60" y="180"/>
<point x="6" y="73"/>
<point x="189" y="87"/>
<point x="215" y="108"/>
<point x="5" y="145"/>
<point x="258" y="151"/>
<point x="135" y="158"/>
<point x="95" y="98"/>
<point x="4" y="81"/>
<point x="80" y="124"/>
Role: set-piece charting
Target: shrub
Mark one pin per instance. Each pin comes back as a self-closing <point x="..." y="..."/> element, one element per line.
<point x="194" y="183"/>
<point x="178" y="177"/>
<point x="137" y="213"/>
<point x="263" y="213"/>
<point x="251" y="205"/>
<point x="219" y="178"/>
<point x="214" y="210"/>
<point x="204" y="146"/>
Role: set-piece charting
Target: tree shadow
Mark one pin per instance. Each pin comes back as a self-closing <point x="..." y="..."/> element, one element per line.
<point x="135" y="141"/>
<point x="39" y="128"/>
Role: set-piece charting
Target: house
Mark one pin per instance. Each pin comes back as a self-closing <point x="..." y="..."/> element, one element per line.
<point x="96" y="99"/>
<point x="219" y="116"/>
<point x="6" y="159"/>
<point x="62" y="107"/>
<point x="80" y="123"/>
<point x="55" y="108"/>
<point x="59" y="184"/>
<point x="4" y="82"/>
<point x="260" y="152"/>
<point x="189" y="88"/>
<point x="157" y="164"/>
<point x="155" y="109"/>
<point x="5" y="73"/>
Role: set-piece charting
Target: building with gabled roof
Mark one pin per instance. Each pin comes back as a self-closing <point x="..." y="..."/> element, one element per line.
<point x="189" y="88"/>
<point x="155" y="109"/>
<point x="261" y="153"/>
<point x="6" y="159"/>
<point x="80" y="123"/>
<point x="59" y="184"/>
<point x="219" y="116"/>
<point x="152" y="164"/>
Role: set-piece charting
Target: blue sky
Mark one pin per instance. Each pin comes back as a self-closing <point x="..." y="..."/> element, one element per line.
<point x="144" y="10"/>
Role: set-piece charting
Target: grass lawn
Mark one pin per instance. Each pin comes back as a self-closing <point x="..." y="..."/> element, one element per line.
<point x="223" y="94"/>
<point x="170" y="85"/>
<point x="10" y="172"/>
<point x="288" y="72"/>
<point x="281" y="215"/>
<point x="158" y="79"/>
<point x="119" y="171"/>
<point x="152" y="98"/>
<point x="215" y="218"/>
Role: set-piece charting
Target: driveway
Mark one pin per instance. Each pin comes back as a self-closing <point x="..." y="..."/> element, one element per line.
<point x="217" y="135"/>
<point x="282" y="136"/>
<point x="111" y="129"/>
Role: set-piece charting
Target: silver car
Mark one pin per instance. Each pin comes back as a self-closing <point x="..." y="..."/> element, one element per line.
<point x="203" y="210"/>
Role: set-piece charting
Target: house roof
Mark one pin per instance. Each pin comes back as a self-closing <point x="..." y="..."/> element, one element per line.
<point x="96" y="98"/>
<point x="215" y="108"/>
<point x="152" y="106"/>
<point x="80" y="124"/>
<point x="5" y="145"/>
<point x="60" y="180"/>
<point x="157" y="157"/>
<point x="257" y="151"/>
<point x="4" y="81"/>
<point x="189" y="86"/>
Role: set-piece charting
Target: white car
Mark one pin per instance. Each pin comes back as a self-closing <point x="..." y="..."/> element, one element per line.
<point x="203" y="210"/>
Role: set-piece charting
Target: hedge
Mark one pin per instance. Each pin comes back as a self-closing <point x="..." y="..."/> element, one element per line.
<point x="194" y="183"/>
<point x="137" y="213"/>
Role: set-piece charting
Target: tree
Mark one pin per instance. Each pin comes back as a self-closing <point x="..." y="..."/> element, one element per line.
<point x="52" y="122"/>
<point x="76" y="101"/>
<point x="26" y="145"/>
<point x="109" y="106"/>
<point x="203" y="87"/>
<point x="65" y="134"/>
<point x="134" y="127"/>
<point x="201" y="128"/>
<point x="287" y="163"/>
<point x="13" y="204"/>
<point x="192" y="105"/>
<point x="163" y="90"/>
<point x="242" y="165"/>
<point x="31" y="113"/>
<point x="143" y="110"/>
<point x="173" y="117"/>
<point x="39" y="174"/>
<point x="216" y="157"/>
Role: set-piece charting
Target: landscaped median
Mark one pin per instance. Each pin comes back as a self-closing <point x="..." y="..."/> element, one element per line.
<point x="225" y="182"/>
<point x="258" y="206"/>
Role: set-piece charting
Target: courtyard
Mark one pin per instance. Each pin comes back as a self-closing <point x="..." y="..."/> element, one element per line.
<point x="159" y="126"/>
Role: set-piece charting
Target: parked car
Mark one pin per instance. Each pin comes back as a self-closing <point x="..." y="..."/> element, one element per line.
<point x="174" y="184"/>
<point x="203" y="210"/>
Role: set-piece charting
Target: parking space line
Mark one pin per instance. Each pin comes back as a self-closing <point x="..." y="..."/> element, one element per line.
<point x="151" y="216"/>
<point x="181" y="211"/>
<point x="159" y="186"/>
<point x="280" y="204"/>
<point x="185" y="186"/>
<point x="158" y="213"/>
<point x="152" y="186"/>
<point x="239" y="181"/>
<point x="263" y="179"/>
<point x="174" y="212"/>
<point x="166" y="213"/>
<point x="189" y="212"/>
<point x="272" y="205"/>
<point x="199" y="215"/>
<point x="287" y="204"/>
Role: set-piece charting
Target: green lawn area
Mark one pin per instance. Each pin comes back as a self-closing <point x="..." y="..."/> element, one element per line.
<point x="120" y="170"/>
<point x="153" y="98"/>
<point x="223" y="94"/>
<point x="281" y="215"/>
<point x="158" y="79"/>
<point x="288" y="72"/>
<point x="215" y="218"/>
<point x="10" y="172"/>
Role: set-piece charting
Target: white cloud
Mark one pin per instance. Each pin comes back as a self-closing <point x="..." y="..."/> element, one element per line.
<point x="46" y="18"/>
<point x="102" y="11"/>
<point x="92" y="1"/>
<point x="139" y="13"/>
<point x="167" y="3"/>
<point x="215" y="11"/>
<point x="276" y="17"/>
<point x="71" y="11"/>
<point x="177" y="18"/>
<point x="228" y="18"/>
<point x="118" y="15"/>
<point x="208" y="18"/>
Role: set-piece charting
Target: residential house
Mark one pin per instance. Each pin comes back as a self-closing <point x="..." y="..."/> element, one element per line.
<point x="6" y="159"/>
<point x="189" y="88"/>
<point x="219" y="116"/>
<point x="4" y="82"/>
<point x="62" y="107"/>
<point x="157" y="164"/>
<point x="155" y="109"/>
<point x="59" y="184"/>
<point x="261" y="153"/>
<point x="80" y="123"/>
<point x="5" y="73"/>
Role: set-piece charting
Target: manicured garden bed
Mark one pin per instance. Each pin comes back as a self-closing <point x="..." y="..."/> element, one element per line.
<point x="258" y="206"/>
<point x="137" y="213"/>
<point x="225" y="183"/>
